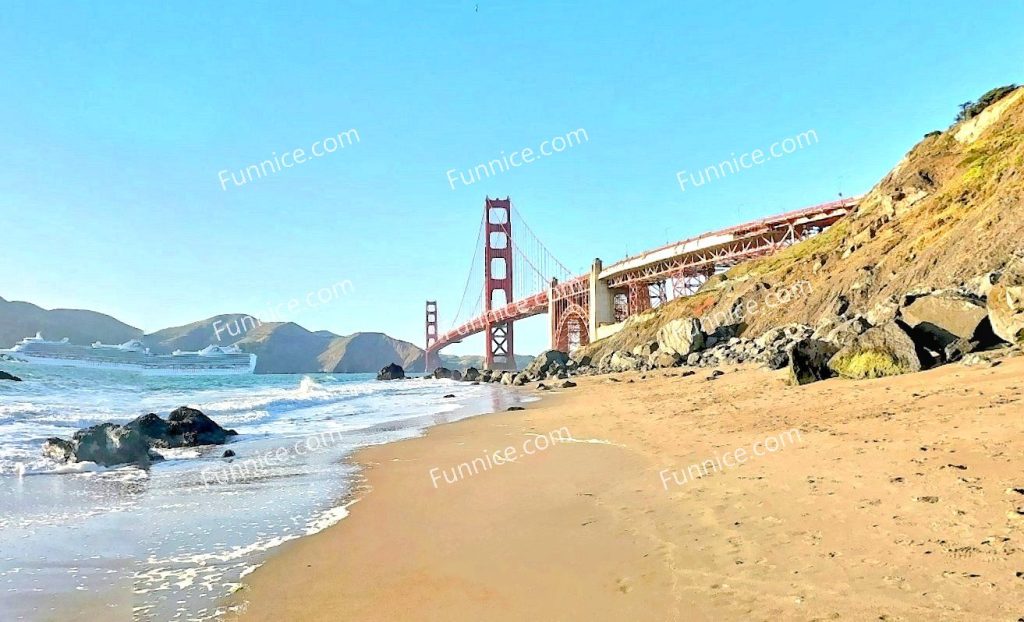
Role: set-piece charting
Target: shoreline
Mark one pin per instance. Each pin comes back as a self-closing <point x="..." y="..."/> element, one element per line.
<point x="898" y="500"/>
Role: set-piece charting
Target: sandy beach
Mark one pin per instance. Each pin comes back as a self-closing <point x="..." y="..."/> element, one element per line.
<point x="890" y="499"/>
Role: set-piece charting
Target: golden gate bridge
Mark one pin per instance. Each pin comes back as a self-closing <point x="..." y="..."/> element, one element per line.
<point x="522" y="278"/>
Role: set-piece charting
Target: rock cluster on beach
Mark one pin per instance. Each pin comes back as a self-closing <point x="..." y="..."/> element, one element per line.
<point x="109" y="444"/>
<point x="921" y="330"/>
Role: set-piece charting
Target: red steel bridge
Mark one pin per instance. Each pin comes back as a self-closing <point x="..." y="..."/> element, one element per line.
<point x="521" y="278"/>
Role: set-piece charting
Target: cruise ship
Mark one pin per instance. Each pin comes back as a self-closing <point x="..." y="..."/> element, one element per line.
<point x="133" y="356"/>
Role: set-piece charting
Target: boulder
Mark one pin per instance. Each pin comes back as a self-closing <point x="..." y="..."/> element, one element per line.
<point x="507" y="378"/>
<point x="391" y="372"/>
<point x="846" y="332"/>
<point x="107" y="444"/>
<point x="6" y="376"/>
<point x="681" y="336"/>
<point x="550" y="360"/>
<point x="1006" y="303"/>
<point x="941" y="318"/>
<point x="646" y="350"/>
<point x="520" y="380"/>
<point x="1006" y="312"/>
<point x="982" y="285"/>
<point x="807" y="361"/>
<point x="885" y="311"/>
<point x="659" y="360"/>
<point x="886" y="350"/>
<point x="442" y="372"/>
<point x="185" y="427"/>
<point x="567" y="384"/>
<point x="472" y="374"/>
<point x="623" y="361"/>
<point x="456" y="374"/>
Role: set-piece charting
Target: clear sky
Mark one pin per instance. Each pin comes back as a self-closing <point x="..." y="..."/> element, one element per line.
<point x="116" y="119"/>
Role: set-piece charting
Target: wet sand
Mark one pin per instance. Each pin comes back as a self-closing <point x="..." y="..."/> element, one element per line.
<point x="898" y="499"/>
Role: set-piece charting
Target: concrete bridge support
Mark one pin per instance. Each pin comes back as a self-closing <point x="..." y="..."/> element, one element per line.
<point x="602" y="304"/>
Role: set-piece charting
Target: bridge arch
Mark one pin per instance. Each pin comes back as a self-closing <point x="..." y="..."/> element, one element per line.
<point x="571" y="328"/>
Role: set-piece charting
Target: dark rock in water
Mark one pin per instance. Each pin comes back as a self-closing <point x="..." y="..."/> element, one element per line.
<point x="511" y="408"/>
<point x="442" y="372"/>
<point x="185" y="427"/>
<point x="476" y="382"/>
<point x="456" y="374"/>
<point x="106" y="444"/>
<point x="6" y="376"/>
<point x="228" y="454"/>
<point x="449" y="395"/>
<point x="808" y="361"/>
<point x="471" y="374"/>
<point x="391" y="372"/>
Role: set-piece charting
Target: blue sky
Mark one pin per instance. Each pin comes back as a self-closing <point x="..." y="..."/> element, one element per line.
<point x="117" y="117"/>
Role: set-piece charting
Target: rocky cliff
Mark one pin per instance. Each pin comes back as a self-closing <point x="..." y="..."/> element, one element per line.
<point x="950" y="215"/>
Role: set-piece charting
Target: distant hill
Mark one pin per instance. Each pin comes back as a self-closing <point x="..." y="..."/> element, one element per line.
<point x="286" y="347"/>
<point x="197" y="335"/>
<point x="22" y="319"/>
<point x="281" y="347"/>
<point x="370" y="352"/>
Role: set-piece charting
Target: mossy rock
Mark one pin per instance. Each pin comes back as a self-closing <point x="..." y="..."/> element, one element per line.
<point x="868" y="364"/>
<point x="886" y="350"/>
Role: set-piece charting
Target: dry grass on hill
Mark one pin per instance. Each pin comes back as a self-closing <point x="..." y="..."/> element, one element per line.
<point x="951" y="210"/>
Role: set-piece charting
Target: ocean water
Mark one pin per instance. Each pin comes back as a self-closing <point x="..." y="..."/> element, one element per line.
<point x="170" y="542"/>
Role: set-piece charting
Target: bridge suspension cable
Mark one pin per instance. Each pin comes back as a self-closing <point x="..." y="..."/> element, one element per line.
<point x="533" y="267"/>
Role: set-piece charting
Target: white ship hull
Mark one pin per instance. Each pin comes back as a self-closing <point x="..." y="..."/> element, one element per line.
<point x="142" y="369"/>
<point x="133" y="356"/>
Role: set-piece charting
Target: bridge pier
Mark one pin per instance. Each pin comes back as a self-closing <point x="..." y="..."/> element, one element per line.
<point x="500" y="353"/>
<point x="602" y="301"/>
<point x="428" y="359"/>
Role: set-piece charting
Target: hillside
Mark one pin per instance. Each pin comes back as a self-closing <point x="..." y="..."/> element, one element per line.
<point x="370" y="352"/>
<point x="22" y="319"/>
<point x="949" y="212"/>
<point x="198" y="335"/>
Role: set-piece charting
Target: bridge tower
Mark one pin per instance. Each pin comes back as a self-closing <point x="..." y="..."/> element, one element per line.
<point x="431" y="336"/>
<point x="498" y="279"/>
